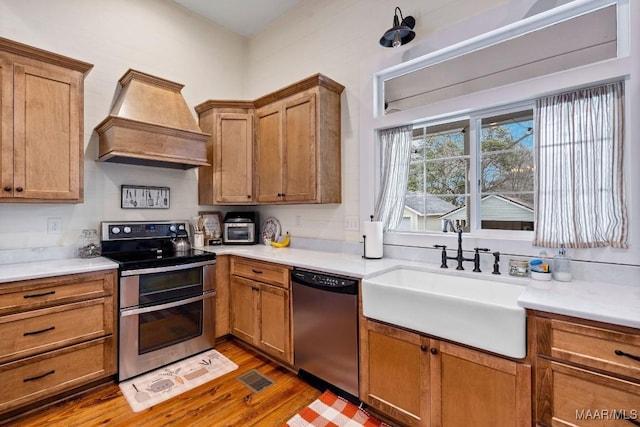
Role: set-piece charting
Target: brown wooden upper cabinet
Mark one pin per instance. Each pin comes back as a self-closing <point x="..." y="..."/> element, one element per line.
<point x="41" y="128"/>
<point x="229" y="179"/>
<point x="282" y="148"/>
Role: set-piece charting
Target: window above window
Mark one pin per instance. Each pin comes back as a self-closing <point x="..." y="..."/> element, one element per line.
<point x="593" y="38"/>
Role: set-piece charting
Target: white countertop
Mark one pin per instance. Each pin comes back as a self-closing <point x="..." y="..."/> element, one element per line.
<point x="604" y="302"/>
<point x="55" y="267"/>
<point x="329" y="262"/>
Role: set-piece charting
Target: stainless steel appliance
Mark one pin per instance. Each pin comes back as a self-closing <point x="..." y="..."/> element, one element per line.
<point x="240" y="228"/>
<point x="166" y="297"/>
<point x="325" y="327"/>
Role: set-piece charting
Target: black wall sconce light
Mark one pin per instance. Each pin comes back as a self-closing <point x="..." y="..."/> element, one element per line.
<point x="401" y="32"/>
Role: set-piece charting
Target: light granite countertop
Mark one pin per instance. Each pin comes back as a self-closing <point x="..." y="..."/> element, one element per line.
<point x="605" y="302"/>
<point x="50" y="268"/>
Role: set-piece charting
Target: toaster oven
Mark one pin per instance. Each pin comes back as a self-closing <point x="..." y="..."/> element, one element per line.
<point x="240" y="228"/>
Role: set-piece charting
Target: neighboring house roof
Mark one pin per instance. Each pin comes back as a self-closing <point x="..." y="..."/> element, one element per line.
<point x="497" y="208"/>
<point x="433" y="206"/>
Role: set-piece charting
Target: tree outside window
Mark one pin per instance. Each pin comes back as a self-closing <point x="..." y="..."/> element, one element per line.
<point x="439" y="176"/>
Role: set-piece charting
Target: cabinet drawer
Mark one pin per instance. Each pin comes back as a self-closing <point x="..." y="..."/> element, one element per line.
<point x="583" y="398"/>
<point x="34" y="378"/>
<point x="595" y="347"/>
<point x="28" y="333"/>
<point x="38" y="293"/>
<point x="274" y="274"/>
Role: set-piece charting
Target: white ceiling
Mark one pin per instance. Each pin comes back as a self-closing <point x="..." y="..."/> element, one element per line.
<point x="241" y="16"/>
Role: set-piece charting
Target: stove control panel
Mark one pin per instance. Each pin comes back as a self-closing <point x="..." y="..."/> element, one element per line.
<point x="142" y="230"/>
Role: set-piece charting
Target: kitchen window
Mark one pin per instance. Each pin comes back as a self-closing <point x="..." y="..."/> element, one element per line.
<point x="476" y="171"/>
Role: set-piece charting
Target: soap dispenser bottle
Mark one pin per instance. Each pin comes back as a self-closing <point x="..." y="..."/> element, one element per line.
<point x="562" y="266"/>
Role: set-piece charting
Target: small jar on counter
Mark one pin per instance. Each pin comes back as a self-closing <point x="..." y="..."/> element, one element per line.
<point x="89" y="244"/>
<point x="518" y="267"/>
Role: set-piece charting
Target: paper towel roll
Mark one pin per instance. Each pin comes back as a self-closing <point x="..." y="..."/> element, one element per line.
<point x="373" y="239"/>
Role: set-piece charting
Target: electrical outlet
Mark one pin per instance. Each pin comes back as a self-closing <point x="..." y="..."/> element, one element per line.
<point x="298" y="220"/>
<point x="351" y="223"/>
<point x="54" y="225"/>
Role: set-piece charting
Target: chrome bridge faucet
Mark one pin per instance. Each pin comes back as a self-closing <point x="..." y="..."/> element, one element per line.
<point x="448" y="226"/>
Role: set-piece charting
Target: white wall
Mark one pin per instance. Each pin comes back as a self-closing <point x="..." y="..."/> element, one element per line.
<point x="627" y="67"/>
<point x="336" y="37"/>
<point x="340" y="39"/>
<point x="154" y="36"/>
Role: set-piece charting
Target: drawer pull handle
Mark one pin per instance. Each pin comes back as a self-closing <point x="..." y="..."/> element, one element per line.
<point x="630" y="356"/>
<point x="256" y="271"/>
<point x="255" y="288"/>
<point x="46" y="374"/>
<point x="623" y="416"/>
<point x="44" y="294"/>
<point x="51" y="328"/>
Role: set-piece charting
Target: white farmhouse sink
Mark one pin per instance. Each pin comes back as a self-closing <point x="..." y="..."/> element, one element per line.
<point x="474" y="311"/>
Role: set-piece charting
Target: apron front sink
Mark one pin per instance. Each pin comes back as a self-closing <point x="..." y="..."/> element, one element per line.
<point x="474" y="311"/>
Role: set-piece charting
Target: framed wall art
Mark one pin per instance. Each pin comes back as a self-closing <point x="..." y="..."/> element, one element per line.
<point x="144" y="197"/>
<point x="212" y="224"/>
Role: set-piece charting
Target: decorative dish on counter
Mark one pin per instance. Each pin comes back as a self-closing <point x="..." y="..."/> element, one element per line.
<point x="270" y="230"/>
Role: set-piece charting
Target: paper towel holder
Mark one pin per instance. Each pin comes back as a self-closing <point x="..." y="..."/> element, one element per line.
<point x="364" y="245"/>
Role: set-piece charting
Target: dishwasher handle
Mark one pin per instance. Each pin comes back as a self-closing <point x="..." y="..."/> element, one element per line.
<point x="324" y="282"/>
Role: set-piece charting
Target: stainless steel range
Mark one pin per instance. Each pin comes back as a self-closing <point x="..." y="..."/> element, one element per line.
<point x="166" y="296"/>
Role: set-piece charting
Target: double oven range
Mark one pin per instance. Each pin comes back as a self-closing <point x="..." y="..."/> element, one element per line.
<point x="166" y="297"/>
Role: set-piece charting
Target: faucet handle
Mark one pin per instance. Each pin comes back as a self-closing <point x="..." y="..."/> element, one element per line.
<point x="481" y="249"/>
<point x="496" y="263"/>
<point x="443" y="256"/>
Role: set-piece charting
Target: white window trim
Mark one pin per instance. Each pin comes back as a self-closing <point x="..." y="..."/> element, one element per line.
<point x="475" y="132"/>
<point x="626" y="66"/>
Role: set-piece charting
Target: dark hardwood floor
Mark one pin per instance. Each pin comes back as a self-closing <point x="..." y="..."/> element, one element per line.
<point x="220" y="402"/>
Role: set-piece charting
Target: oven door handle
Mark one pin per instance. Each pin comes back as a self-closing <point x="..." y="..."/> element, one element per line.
<point x="140" y="272"/>
<point x="151" y="309"/>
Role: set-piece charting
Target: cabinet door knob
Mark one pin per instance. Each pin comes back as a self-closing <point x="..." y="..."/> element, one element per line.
<point x="7" y="188"/>
<point x="19" y="189"/>
<point x="434" y="350"/>
<point x="423" y="347"/>
<point x="248" y="196"/>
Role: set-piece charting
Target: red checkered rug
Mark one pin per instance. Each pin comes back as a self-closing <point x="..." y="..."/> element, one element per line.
<point x="330" y="410"/>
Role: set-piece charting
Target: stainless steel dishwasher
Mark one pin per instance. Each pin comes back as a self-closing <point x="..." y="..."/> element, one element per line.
<point x="325" y="328"/>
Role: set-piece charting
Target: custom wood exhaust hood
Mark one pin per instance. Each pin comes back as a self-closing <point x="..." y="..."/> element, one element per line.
<point x="150" y="124"/>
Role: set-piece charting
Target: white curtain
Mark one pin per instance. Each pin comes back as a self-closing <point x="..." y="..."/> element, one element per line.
<point x="396" y="149"/>
<point x="579" y="145"/>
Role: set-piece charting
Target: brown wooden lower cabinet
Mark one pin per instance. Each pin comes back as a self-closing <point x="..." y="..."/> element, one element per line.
<point x="421" y="381"/>
<point x="587" y="373"/>
<point x="28" y="380"/>
<point x="583" y="398"/>
<point x="223" y="290"/>
<point x="261" y="307"/>
<point x="395" y="373"/>
<point x="56" y="335"/>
